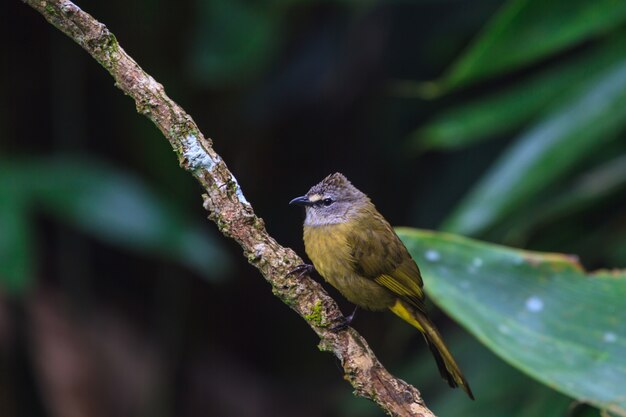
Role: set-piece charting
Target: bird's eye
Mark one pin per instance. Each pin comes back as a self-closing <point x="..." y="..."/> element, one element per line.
<point x="327" y="201"/>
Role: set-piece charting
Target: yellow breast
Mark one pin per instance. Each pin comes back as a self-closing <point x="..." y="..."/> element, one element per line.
<point x="327" y="247"/>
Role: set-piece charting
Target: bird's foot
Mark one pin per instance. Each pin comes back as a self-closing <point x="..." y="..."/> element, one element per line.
<point x="302" y="270"/>
<point x="345" y="321"/>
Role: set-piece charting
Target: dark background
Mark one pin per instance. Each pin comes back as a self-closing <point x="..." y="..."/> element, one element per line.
<point x="97" y="318"/>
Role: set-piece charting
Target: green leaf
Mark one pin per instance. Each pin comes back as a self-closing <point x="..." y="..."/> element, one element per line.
<point x="540" y="312"/>
<point x="117" y="208"/>
<point x="587" y="190"/>
<point x="545" y="153"/>
<point x="17" y="259"/>
<point x="504" y="111"/>
<point x="524" y="31"/>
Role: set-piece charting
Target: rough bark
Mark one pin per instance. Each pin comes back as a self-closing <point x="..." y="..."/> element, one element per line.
<point x="233" y="214"/>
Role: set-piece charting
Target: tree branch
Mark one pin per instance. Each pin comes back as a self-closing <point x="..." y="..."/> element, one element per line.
<point x="233" y="215"/>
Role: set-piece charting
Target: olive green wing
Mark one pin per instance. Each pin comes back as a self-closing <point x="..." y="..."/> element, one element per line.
<point x="403" y="281"/>
<point x="378" y="254"/>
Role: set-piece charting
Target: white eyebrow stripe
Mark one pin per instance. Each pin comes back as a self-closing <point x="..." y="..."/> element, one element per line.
<point x="314" y="198"/>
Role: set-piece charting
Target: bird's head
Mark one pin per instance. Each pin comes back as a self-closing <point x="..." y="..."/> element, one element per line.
<point x="334" y="200"/>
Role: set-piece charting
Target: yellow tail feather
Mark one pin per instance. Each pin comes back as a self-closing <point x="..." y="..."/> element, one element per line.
<point x="448" y="368"/>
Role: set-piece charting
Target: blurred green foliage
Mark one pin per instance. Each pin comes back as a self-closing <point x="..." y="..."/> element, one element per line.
<point x="546" y="152"/>
<point x="236" y="41"/>
<point x="566" y="110"/>
<point x="533" y="98"/>
<point x="525" y="31"/>
<point x="105" y="203"/>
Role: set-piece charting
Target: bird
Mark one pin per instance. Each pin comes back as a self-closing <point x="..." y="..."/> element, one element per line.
<point x="357" y="251"/>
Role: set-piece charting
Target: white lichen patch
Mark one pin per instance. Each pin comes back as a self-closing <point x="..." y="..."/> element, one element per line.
<point x="197" y="157"/>
<point x="153" y="85"/>
<point x="259" y="248"/>
<point x="238" y="192"/>
<point x="534" y="304"/>
<point x="432" y="255"/>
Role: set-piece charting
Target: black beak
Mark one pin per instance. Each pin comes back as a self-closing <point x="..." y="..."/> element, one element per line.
<point x="301" y="201"/>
